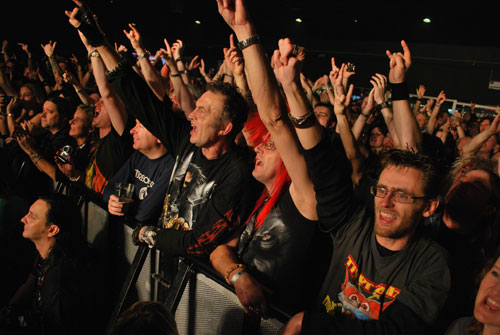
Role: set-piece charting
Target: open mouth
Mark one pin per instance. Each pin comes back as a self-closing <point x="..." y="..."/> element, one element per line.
<point x="387" y="217"/>
<point x="492" y="304"/>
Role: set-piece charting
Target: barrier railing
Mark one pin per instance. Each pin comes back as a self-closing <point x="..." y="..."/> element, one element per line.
<point x="200" y="299"/>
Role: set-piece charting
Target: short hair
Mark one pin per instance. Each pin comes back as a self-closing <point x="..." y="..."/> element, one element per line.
<point x="89" y="112"/>
<point x="418" y="161"/>
<point x="65" y="214"/>
<point x="145" y="317"/>
<point x="235" y="109"/>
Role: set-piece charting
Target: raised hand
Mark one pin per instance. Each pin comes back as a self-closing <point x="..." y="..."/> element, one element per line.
<point x="399" y="64"/>
<point x="49" y="48"/>
<point x="233" y="58"/>
<point x="178" y="49"/>
<point x="420" y="92"/>
<point x="166" y="54"/>
<point x="234" y="13"/>
<point x="441" y="98"/>
<point x="379" y="83"/>
<point x="24" y="47"/>
<point x="134" y="36"/>
<point x="342" y="100"/>
<point x="286" y="66"/>
<point x="194" y="63"/>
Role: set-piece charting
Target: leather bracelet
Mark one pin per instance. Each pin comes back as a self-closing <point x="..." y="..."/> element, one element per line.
<point x="237" y="276"/>
<point x="178" y="74"/>
<point x="248" y="42"/>
<point x="178" y="60"/>
<point x="305" y="121"/>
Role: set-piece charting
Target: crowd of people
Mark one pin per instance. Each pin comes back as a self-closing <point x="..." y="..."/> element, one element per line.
<point x="370" y="216"/>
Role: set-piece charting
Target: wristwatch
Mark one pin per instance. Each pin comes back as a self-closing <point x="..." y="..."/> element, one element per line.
<point x="382" y="105"/>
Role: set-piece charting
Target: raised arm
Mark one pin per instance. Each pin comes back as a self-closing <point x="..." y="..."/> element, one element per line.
<point x="148" y="71"/>
<point x="341" y="103"/>
<point x="114" y="105"/>
<point x="477" y="141"/>
<point x="405" y="123"/>
<point x="420" y="94"/>
<point x="268" y="99"/>
<point x="379" y="83"/>
<point x="185" y="98"/>
<point x="431" y="124"/>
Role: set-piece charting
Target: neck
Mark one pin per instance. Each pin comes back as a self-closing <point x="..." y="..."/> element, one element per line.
<point x="392" y="243"/>
<point x="155" y="152"/>
<point x="491" y="330"/>
<point x="80" y="140"/>
<point x="104" y="131"/>
<point x="215" y="150"/>
<point x="53" y="131"/>
<point x="44" y="247"/>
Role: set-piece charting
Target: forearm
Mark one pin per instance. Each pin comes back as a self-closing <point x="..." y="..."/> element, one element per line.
<point x="405" y="124"/>
<point x="416" y="108"/>
<point x="114" y="105"/>
<point x="44" y="166"/>
<point x="389" y="121"/>
<point x="150" y="74"/>
<point x="475" y="143"/>
<point x="261" y="79"/>
<point x="431" y="124"/>
<point x="359" y="124"/>
<point x="242" y="84"/>
<point x="56" y="70"/>
<point x="223" y="259"/>
<point x="185" y="98"/>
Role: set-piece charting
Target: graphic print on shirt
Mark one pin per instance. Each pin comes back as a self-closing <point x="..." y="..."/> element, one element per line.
<point x="143" y="192"/>
<point x="266" y="249"/>
<point x="189" y="190"/>
<point x="359" y="296"/>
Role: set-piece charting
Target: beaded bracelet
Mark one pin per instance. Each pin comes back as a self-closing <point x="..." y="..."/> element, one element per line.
<point x="231" y="269"/>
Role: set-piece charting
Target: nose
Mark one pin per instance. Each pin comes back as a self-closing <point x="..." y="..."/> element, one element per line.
<point x="387" y="201"/>
<point x="258" y="147"/>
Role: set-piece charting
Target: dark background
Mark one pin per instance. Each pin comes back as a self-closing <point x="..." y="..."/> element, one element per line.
<point x="459" y="52"/>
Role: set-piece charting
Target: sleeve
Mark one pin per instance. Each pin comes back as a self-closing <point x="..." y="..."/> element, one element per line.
<point x="157" y="116"/>
<point x="226" y="211"/>
<point x="397" y="319"/>
<point x="329" y="172"/>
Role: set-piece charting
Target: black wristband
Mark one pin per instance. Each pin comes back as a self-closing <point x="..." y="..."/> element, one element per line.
<point x="89" y="26"/>
<point x="399" y="92"/>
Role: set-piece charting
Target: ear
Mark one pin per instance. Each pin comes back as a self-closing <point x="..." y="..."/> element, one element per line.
<point x="226" y="129"/>
<point x="430" y="208"/>
<point x="53" y="230"/>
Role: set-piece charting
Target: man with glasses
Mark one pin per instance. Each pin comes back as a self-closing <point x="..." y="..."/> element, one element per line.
<point x="385" y="276"/>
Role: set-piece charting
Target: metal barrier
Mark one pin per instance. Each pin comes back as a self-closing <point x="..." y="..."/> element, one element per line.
<point x="197" y="295"/>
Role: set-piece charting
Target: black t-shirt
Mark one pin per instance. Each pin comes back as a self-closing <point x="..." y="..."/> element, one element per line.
<point x="277" y="252"/>
<point x="208" y="199"/>
<point x="366" y="291"/>
<point x="107" y="156"/>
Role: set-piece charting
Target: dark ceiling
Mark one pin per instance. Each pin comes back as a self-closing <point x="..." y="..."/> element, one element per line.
<point x="325" y="23"/>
